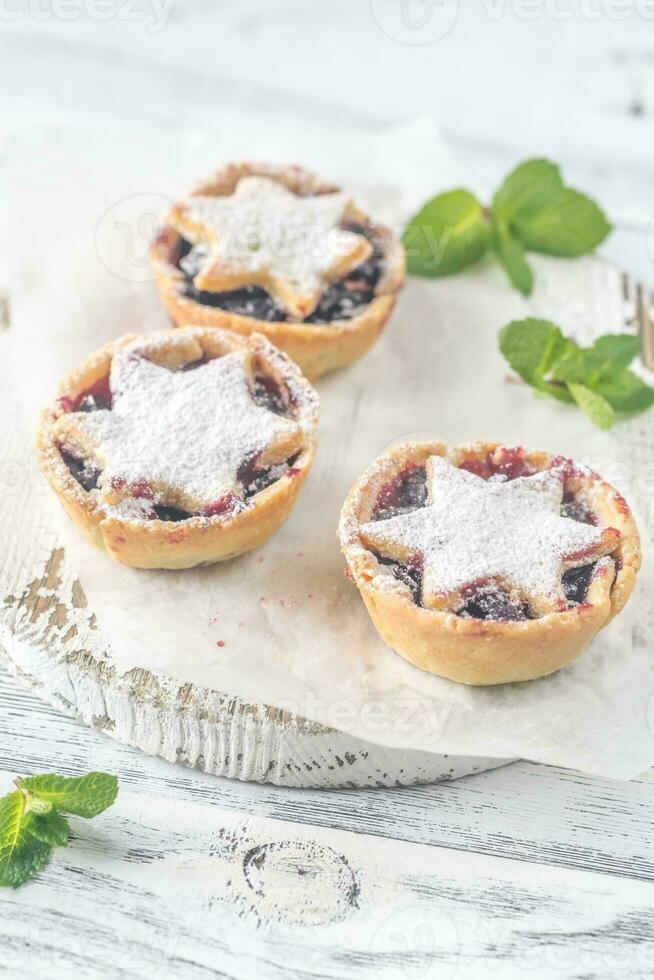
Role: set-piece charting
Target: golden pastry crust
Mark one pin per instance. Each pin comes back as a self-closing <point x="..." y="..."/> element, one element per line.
<point x="483" y="651"/>
<point x="317" y="348"/>
<point x="199" y="539"/>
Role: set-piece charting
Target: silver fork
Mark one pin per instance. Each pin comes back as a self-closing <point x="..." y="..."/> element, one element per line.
<point x="642" y="318"/>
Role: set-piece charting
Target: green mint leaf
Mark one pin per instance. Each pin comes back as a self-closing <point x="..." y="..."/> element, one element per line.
<point x="511" y="255"/>
<point x="21" y="855"/>
<point x="532" y="347"/>
<point x="595" y="406"/>
<point x="614" y="351"/>
<point x="547" y="216"/>
<point x="447" y="235"/>
<point x="570" y="225"/>
<point x="626" y="392"/>
<point x="527" y="190"/>
<point x="84" y="796"/>
<point x="595" y="378"/>
<point x="34" y="805"/>
<point x="532" y="210"/>
<point x="607" y="357"/>
<point x="30" y="824"/>
<point x="51" y="828"/>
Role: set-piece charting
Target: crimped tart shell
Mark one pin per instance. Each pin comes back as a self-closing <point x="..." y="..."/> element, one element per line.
<point x="198" y="540"/>
<point x="317" y="348"/>
<point x="475" y="651"/>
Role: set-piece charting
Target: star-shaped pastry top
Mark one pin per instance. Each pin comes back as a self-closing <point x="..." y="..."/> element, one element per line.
<point x="473" y="531"/>
<point x="183" y="435"/>
<point x="265" y="235"/>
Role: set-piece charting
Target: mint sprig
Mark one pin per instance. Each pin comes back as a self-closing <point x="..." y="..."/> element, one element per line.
<point x="447" y="235"/>
<point x="597" y="379"/>
<point x="31" y="820"/>
<point x="532" y="211"/>
<point x="21" y="854"/>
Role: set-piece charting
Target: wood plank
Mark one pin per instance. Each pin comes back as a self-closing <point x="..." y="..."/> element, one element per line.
<point x="160" y="886"/>
<point x="524" y="812"/>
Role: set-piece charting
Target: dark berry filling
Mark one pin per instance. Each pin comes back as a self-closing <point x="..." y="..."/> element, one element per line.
<point x="575" y="510"/>
<point x="490" y="601"/>
<point x="268" y="393"/>
<point x="402" y="494"/>
<point x="410" y="573"/>
<point x="86" y="475"/>
<point x="252" y="301"/>
<point x="165" y="513"/>
<point x="254" y="478"/>
<point x="339" y="301"/>
<point x="576" y="582"/>
<point x="92" y="399"/>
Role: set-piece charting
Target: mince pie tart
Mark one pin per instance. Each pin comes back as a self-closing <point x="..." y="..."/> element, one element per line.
<point x="487" y="564"/>
<point x="180" y="448"/>
<point x="275" y="250"/>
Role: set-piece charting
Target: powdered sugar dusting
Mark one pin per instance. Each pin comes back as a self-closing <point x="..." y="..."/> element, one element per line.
<point x="185" y="432"/>
<point x="265" y="228"/>
<point x="475" y="529"/>
<point x="134" y="510"/>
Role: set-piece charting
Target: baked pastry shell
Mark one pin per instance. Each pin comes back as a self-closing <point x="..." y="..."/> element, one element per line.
<point x="198" y="540"/>
<point x="317" y="348"/>
<point x="475" y="651"/>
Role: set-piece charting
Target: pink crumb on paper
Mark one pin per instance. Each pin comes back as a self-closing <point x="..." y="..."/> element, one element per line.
<point x="220" y="643"/>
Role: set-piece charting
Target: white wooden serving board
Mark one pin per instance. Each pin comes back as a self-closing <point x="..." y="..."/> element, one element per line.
<point x="49" y="640"/>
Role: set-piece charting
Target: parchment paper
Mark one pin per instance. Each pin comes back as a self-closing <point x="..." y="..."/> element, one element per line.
<point x="293" y="631"/>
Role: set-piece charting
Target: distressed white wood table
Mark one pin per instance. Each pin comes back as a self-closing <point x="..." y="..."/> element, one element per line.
<point x="522" y="871"/>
